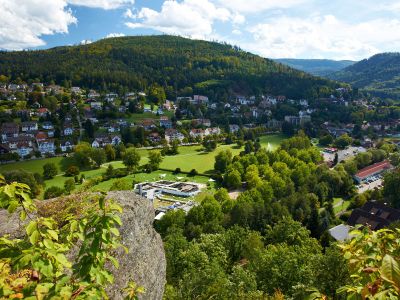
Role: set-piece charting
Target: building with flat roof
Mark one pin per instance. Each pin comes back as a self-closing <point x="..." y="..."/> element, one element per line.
<point x="182" y="189"/>
<point x="372" y="170"/>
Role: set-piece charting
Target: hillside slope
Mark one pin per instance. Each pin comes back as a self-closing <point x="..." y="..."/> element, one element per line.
<point x="317" y="67"/>
<point x="175" y="63"/>
<point x="379" y="75"/>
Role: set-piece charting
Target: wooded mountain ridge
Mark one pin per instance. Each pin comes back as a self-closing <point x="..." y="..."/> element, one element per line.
<point x="181" y="66"/>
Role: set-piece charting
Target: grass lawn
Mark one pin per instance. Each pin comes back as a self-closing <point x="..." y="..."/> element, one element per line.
<point x="340" y="205"/>
<point x="272" y="142"/>
<point x="36" y="165"/>
<point x="190" y="157"/>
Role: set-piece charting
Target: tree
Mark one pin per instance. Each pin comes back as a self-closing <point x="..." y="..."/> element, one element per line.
<point x="209" y="145"/>
<point x="110" y="152"/>
<point x="98" y="155"/>
<point x="222" y="160"/>
<point x="72" y="171"/>
<point x="343" y="141"/>
<point x="326" y="140"/>
<point x="131" y="159"/>
<point x="82" y="154"/>
<point x="391" y="187"/>
<point x="28" y="178"/>
<point x="69" y="185"/>
<point x="155" y="160"/>
<point x="232" y="179"/>
<point x="49" y="170"/>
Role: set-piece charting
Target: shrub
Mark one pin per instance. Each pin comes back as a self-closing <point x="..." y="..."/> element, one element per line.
<point x="49" y="170"/>
<point x="177" y="171"/>
<point x="53" y="192"/>
<point x="193" y="172"/>
<point x="72" y="171"/>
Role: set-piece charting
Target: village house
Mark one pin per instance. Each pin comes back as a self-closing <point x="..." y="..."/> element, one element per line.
<point x="96" y="105"/>
<point x="212" y="131"/>
<point x="23" y="145"/>
<point x="43" y="112"/>
<point x="29" y="126"/>
<point x="165" y="122"/>
<point x="47" y="125"/>
<point x="76" y="90"/>
<point x="68" y="129"/>
<point x="41" y="136"/>
<point x="46" y="146"/>
<point x="111" y="97"/>
<point x="104" y="139"/>
<point x="147" y="124"/>
<point x="66" y="146"/>
<point x="234" y="128"/>
<point x="173" y="134"/>
<point x="93" y="94"/>
<point x="274" y="124"/>
<point x="199" y="100"/>
<point x="9" y="130"/>
<point x="154" y="137"/>
<point x="195" y="133"/>
<point x="201" y="122"/>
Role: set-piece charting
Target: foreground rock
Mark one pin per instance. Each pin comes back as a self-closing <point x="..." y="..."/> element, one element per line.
<point x="145" y="263"/>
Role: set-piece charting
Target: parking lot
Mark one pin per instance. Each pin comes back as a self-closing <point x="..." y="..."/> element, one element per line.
<point x="374" y="182"/>
<point x="344" y="154"/>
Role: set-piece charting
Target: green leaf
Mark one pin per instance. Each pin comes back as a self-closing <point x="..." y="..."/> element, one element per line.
<point x="13" y="205"/>
<point x="114" y="231"/>
<point x="31" y="227"/>
<point x="390" y="270"/>
<point x="34" y="237"/>
<point x="53" y="234"/>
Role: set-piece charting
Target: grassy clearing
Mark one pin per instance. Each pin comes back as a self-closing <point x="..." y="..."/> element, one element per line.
<point x="340" y="205"/>
<point x="34" y="166"/>
<point x="190" y="157"/>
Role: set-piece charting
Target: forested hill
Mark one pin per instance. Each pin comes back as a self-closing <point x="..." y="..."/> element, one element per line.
<point x="177" y="64"/>
<point x="379" y="75"/>
<point x="318" y="67"/>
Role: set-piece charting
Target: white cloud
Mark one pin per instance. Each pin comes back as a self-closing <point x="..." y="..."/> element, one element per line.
<point x="23" y="22"/>
<point x="236" y="32"/>
<point x="255" y="6"/>
<point x="113" y="35"/>
<point x="104" y="4"/>
<point x="190" y="17"/>
<point x="325" y="36"/>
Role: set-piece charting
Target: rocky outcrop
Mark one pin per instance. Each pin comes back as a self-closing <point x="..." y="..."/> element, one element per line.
<point x="144" y="263"/>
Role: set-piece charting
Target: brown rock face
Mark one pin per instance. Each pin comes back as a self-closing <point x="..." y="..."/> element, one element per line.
<point x="144" y="263"/>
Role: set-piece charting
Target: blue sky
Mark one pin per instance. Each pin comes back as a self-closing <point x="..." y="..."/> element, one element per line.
<point x="335" y="29"/>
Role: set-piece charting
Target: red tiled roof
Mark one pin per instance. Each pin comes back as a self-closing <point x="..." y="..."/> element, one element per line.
<point x="373" y="169"/>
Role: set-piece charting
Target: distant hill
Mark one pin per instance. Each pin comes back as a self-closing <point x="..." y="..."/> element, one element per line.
<point x="177" y="64"/>
<point x="318" y="67"/>
<point x="378" y="75"/>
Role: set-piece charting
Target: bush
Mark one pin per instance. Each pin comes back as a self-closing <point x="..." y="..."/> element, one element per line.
<point x="53" y="192"/>
<point x="193" y="172"/>
<point x="49" y="170"/>
<point x="72" y="171"/>
<point x="177" y="171"/>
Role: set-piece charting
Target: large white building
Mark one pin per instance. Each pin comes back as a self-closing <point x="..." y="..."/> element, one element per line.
<point x="182" y="189"/>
